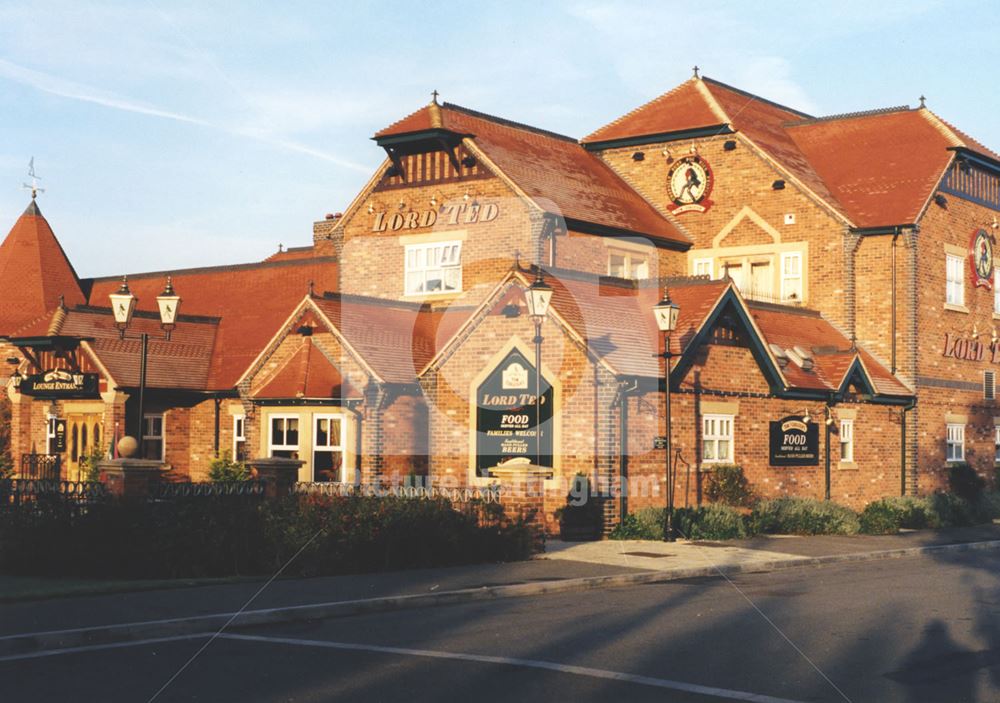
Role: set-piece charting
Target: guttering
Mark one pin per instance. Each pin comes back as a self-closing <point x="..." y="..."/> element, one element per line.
<point x="697" y="133"/>
<point x="619" y="233"/>
<point x="976" y="158"/>
<point x="883" y="229"/>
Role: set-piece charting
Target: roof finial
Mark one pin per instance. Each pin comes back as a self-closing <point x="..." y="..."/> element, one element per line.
<point x="35" y="190"/>
<point x="923" y="101"/>
<point x="281" y="247"/>
<point x="696" y="69"/>
<point x="434" y="96"/>
<point x="312" y="292"/>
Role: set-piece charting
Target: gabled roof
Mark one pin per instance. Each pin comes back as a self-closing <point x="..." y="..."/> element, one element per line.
<point x="395" y="339"/>
<point x="307" y="374"/>
<point x="181" y="363"/>
<point x="251" y="300"/>
<point x="876" y="169"/>
<point x="34" y="272"/>
<point x="882" y="166"/>
<point x="554" y="171"/>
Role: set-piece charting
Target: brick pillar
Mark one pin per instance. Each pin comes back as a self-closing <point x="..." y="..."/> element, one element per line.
<point x="522" y="492"/>
<point x="133" y="479"/>
<point x="278" y="474"/>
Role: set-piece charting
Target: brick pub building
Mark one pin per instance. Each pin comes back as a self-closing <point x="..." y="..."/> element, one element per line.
<point x="834" y="275"/>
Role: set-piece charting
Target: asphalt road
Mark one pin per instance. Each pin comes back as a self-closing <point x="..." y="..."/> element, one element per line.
<point x="918" y="629"/>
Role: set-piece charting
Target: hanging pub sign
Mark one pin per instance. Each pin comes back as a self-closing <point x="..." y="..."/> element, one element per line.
<point x="58" y="435"/>
<point x="794" y="443"/>
<point x="60" y="383"/>
<point x="505" y="417"/>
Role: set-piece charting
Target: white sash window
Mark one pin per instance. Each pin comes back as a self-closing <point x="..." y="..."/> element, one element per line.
<point x="434" y="268"/>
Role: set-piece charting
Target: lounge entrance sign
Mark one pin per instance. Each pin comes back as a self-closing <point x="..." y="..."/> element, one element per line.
<point x="794" y="442"/>
<point x="59" y="383"/>
<point x="505" y="416"/>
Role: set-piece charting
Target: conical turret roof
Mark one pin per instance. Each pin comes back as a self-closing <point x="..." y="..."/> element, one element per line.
<point x="34" y="272"/>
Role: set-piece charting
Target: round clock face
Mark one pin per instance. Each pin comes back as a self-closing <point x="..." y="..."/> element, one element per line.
<point x="982" y="252"/>
<point x="689" y="180"/>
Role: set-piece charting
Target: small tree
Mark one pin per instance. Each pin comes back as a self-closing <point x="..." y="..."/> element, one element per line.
<point x="90" y="465"/>
<point x="224" y="470"/>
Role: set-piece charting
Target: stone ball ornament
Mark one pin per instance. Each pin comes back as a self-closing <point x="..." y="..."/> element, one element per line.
<point x="127" y="447"/>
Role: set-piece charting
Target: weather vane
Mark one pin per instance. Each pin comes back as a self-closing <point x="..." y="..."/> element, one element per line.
<point x="35" y="190"/>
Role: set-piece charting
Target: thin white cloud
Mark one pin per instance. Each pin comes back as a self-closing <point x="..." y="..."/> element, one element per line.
<point x="71" y="90"/>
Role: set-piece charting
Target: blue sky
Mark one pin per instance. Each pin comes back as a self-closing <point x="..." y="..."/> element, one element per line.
<point x="183" y="134"/>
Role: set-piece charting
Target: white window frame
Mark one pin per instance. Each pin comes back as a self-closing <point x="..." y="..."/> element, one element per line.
<point x="699" y="266"/>
<point x="996" y="291"/>
<point x="713" y="428"/>
<point x="996" y="443"/>
<point x="847" y="441"/>
<point x="954" y="293"/>
<point x="415" y="274"/>
<point x="239" y="434"/>
<point x="631" y="260"/>
<point x="339" y="447"/>
<point x="271" y="446"/>
<point x="162" y="437"/>
<point x="787" y="278"/>
<point x="954" y="443"/>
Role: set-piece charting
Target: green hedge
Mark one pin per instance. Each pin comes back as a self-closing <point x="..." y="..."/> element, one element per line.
<point x="804" y="516"/>
<point x="223" y="536"/>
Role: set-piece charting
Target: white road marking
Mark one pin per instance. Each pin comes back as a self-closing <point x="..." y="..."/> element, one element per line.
<point x="97" y="647"/>
<point x="530" y="663"/>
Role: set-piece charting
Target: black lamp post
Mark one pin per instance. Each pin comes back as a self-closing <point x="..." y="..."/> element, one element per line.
<point x="538" y="295"/>
<point x="123" y="305"/>
<point x="666" y="313"/>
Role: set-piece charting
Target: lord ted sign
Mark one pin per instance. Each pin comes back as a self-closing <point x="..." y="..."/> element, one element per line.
<point x="794" y="443"/>
<point x="956" y="347"/>
<point x="505" y="417"/>
<point x="451" y="214"/>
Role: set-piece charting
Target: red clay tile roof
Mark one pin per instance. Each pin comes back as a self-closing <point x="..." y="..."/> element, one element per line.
<point x="395" y="339"/>
<point x="252" y="302"/>
<point x="616" y="318"/>
<point x="877" y="169"/>
<point x="307" y="374"/>
<point x="34" y="272"/>
<point x="554" y="171"/>
<point x="831" y="351"/>
<point x="882" y="167"/>
<point x="292" y="253"/>
<point x="183" y="362"/>
<point x="683" y="108"/>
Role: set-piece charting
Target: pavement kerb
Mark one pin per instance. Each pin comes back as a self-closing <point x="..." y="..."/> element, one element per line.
<point x="12" y="645"/>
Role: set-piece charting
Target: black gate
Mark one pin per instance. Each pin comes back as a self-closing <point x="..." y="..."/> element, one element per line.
<point x="41" y="466"/>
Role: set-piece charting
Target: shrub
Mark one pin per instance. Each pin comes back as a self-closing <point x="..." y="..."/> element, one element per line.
<point x="950" y="510"/>
<point x="991" y="505"/>
<point x="729" y="485"/>
<point x="710" y="522"/>
<point x="644" y="524"/>
<point x="707" y="522"/>
<point x="803" y="516"/>
<point x="222" y="536"/>
<point x="889" y="515"/>
<point x="965" y="483"/>
<point x="224" y="470"/>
